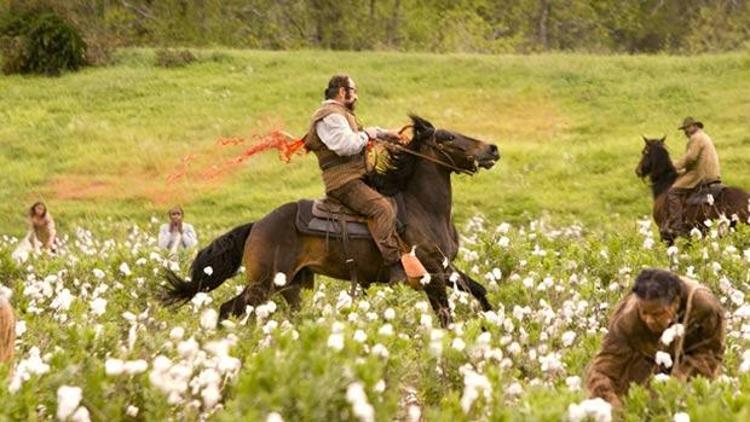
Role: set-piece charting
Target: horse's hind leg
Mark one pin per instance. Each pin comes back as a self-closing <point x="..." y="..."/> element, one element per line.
<point x="291" y="293"/>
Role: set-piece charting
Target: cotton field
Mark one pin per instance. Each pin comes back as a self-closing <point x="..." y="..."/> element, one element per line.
<point x="94" y="343"/>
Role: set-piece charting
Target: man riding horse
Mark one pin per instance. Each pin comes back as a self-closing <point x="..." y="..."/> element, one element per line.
<point x="339" y="142"/>
<point x="697" y="168"/>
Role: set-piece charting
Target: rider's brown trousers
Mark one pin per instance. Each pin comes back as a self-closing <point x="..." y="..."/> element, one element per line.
<point x="381" y="217"/>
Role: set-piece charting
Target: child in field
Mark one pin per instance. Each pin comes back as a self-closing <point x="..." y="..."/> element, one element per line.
<point x="177" y="233"/>
<point x="41" y="235"/>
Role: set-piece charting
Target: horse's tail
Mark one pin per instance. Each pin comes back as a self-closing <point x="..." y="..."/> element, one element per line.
<point x="223" y="256"/>
<point x="7" y="331"/>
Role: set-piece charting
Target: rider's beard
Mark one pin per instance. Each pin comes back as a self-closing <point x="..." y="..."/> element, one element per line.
<point x="351" y="105"/>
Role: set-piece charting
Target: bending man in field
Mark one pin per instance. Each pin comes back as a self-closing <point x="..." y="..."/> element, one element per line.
<point x="667" y="324"/>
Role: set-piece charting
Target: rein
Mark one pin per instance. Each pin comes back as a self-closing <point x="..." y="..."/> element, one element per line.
<point x="431" y="143"/>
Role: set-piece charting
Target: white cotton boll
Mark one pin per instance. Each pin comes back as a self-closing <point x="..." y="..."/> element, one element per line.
<point x="379" y="387"/>
<point x="270" y="326"/>
<point x="209" y="319"/>
<point x="360" y="336"/>
<point x="99" y="274"/>
<point x="279" y="279"/>
<point x="596" y="409"/>
<point x="745" y="365"/>
<point x="425" y="320"/>
<point x="682" y="416"/>
<point x="344" y="301"/>
<point x="81" y="415"/>
<point x="568" y="338"/>
<point x="125" y="269"/>
<point x="661" y="378"/>
<point x="211" y="396"/>
<point x="386" y="330"/>
<point x="515" y="389"/>
<point x="389" y="314"/>
<point x="274" y="417"/>
<point x="475" y="384"/>
<point x="132" y="411"/>
<point x="114" y="367"/>
<point x="573" y="383"/>
<point x="672" y="250"/>
<point x="664" y="359"/>
<point x="380" y="351"/>
<point x="648" y="243"/>
<point x="98" y="306"/>
<point x="336" y="342"/>
<point x="695" y="233"/>
<point x="177" y="333"/>
<point x="421" y="306"/>
<point x="135" y="367"/>
<point x="514" y="348"/>
<point x="129" y="316"/>
<point x="414" y="413"/>
<point x="356" y="396"/>
<point x="68" y="399"/>
<point x="484" y="339"/>
<point x="503" y="242"/>
<point x="187" y="349"/>
<point x="676" y="330"/>
<point x="20" y="328"/>
<point x="458" y="344"/>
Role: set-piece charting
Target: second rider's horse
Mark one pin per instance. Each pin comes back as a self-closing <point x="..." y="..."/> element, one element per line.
<point x="275" y="244"/>
<point x="726" y="201"/>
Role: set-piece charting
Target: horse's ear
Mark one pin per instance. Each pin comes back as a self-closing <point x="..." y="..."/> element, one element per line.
<point x="645" y="139"/>
<point x="663" y="138"/>
<point x="421" y="126"/>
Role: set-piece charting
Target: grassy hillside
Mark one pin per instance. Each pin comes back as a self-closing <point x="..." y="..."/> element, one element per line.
<point x="100" y="143"/>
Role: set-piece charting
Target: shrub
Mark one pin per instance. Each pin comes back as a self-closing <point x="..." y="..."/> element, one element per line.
<point x="41" y="43"/>
<point x="174" y="58"/>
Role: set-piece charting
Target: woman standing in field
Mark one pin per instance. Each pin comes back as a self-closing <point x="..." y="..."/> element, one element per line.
<point x="42" y="233"/>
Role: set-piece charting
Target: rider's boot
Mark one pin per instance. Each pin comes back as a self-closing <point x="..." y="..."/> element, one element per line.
<point x="415" y="271"/>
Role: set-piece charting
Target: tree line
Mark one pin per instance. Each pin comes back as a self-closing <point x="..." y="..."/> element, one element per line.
<point x="484" y="26"/>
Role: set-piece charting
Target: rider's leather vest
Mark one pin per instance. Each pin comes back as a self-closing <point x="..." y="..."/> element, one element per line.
<point x="337" y="170"/>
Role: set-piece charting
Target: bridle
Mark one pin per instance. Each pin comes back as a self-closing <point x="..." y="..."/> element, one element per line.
<point x="432" y="143"/>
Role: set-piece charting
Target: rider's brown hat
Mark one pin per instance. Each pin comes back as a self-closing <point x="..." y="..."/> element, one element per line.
<point x="690" y="121"/>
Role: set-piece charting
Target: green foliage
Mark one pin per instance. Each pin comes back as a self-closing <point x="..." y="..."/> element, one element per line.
<point x="521" y="26"/>
<point x="174" y="58"/>
<point x="40" y="43"/>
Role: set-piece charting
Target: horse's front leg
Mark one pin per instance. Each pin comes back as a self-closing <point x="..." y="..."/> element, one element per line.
<point x="438" y="297"/>
<point x="467" y="284"/>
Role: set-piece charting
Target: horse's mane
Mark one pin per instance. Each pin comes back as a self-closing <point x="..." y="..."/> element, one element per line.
<point x="663" y="173"/>
<point x="401" y="163"/>
<point x="399" y="172"/>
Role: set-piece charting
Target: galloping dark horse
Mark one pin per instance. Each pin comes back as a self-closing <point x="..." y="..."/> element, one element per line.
<point x="657" y="166"/>
<point x="273" y="244"/>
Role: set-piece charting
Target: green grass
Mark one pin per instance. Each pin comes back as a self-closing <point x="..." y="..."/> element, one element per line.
<point x="568" y="126"/>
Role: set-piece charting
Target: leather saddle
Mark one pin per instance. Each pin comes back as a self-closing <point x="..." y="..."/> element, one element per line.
<point x="328" y="217"/>
<point x="700" y="194"/>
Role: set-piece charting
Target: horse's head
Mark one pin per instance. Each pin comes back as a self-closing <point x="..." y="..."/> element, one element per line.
<point x="462" y="153"/>
<point x="653" y="157"/>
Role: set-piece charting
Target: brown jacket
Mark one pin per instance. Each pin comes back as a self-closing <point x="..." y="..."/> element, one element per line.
<point x="337" y="170"/>
<point x="700" y="162"/>
<point x="628" y="350"/>
<point x="7" y="331"/>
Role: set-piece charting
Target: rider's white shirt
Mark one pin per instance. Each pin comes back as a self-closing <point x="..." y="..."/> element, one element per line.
<point x="335" y="132"/>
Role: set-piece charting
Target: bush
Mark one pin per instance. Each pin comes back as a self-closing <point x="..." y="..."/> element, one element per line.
<point x="41" y="43"/>
<point x="174" y="58"/>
